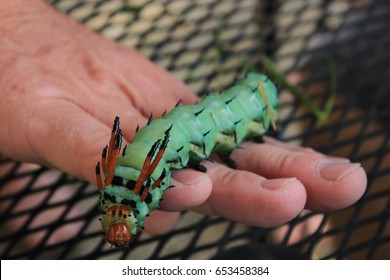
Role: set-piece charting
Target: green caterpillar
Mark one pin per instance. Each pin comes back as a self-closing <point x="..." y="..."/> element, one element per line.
<point x="134" y="181"/>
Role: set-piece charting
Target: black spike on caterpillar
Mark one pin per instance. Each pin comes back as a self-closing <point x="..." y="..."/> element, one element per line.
<point x="132" y="183"/>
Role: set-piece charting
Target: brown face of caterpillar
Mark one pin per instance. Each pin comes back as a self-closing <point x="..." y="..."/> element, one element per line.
<point x="115" y="224"/>
<point x="119" y="235"/>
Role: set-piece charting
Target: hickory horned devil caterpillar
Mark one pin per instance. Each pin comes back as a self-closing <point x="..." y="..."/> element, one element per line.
<point x="135" y="180"/>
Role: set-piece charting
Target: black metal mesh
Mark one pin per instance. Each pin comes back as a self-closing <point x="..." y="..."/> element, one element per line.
<point x="46" y="214"/>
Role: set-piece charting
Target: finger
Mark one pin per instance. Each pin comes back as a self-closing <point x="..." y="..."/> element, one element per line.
<point x="299" y="231"/>
<point x="160" y="222"/>
<point x="331" y="183"/>
<point x="157" y="90"/>
<point x="251" y="199"/>
<point x="191" y="188"/>
<point x="63" y="135"/>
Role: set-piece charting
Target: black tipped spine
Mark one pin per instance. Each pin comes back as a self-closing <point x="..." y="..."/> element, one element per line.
<point x="230" y="100"/>
<point x="115" y="126"/>
<point x="97" y="168"/>
<point x="124" y="151"/>
<point x="205" y="134"/>
<point x="118" y="140"/>
<point x="153" y="149"/>
<point x="104" y="152"/>
<point x="150" y="119"/>
<point x="199" y="112"/>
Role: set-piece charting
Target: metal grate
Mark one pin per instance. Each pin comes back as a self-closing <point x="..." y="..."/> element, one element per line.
<point x="46" y="214"/>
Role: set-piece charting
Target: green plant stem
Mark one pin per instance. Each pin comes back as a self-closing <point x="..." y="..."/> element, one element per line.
<point x="320" y="115"/>
<point x="332" y="86"/>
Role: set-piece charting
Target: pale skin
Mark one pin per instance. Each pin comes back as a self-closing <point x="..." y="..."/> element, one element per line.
<point x="61" y="86"/>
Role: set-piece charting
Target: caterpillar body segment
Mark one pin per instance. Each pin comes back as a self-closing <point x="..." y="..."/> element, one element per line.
<point x="135" y="181"/>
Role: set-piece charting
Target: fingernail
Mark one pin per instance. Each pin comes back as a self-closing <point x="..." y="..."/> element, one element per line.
<point x="338" y="159"/>
<point x="188" y="177"/>
<point x="277" y="184"/>
<point x="336" y="170"/>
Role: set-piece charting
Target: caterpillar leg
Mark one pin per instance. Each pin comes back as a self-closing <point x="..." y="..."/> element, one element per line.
<point x="197" y="166"/>
<point x="228" y="161"/>
<point x="259" y="139"/>
<point x="273" y="132"/>
<point x="99" y="180"/>
<point x="110" y="157"/>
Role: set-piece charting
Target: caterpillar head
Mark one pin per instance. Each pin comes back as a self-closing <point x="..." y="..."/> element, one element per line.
<point x="118" y="226"/>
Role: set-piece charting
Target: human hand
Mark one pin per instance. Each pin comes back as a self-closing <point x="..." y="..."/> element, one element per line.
<point x="61" y="86"/>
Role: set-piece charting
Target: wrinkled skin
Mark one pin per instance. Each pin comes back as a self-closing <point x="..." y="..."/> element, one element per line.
<point x="61" y="86"/>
